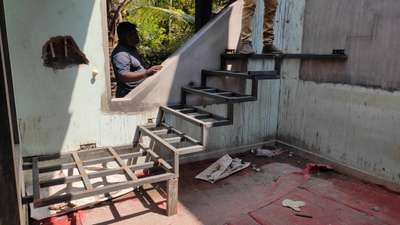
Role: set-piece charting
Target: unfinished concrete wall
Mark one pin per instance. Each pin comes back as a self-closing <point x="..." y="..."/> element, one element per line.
<point x="202" y="51"/>
<point x="256" y="122"/>
<point x="353" y="125"/>
<point x="369" y="32"/>
<point x="58" y="110"/>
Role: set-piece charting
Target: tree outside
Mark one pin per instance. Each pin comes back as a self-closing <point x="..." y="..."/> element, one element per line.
<point x="163" y="25"/>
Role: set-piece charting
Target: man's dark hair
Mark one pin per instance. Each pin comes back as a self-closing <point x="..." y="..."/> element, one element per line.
<point x="125" y="28"/>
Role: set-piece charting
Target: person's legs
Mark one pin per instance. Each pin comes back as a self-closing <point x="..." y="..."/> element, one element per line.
<point x="248" y="13"/>
<point x="269" y="18"/>
<point x="246" y="34"/>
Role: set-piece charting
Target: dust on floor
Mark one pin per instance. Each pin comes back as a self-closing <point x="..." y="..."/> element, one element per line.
<point x="252" y="198"/>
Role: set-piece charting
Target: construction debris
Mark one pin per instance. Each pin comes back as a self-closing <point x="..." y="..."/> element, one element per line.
<point x="255" y="168"/>
<point x="303" y="215"/>
<point x="267" y="152"/>
<point x="222" y="168"/>
<point x="376" y="209"/>
<point x="313" y="167"/>
<point x="295" y="205"/>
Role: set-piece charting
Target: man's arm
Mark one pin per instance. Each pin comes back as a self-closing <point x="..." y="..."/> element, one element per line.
<point x="133" y="76"/>
<point x="122" y="63"/>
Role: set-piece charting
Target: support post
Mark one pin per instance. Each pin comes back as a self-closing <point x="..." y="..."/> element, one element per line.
<point x="203" y="13"/>
<point x="204" y="136"/>
<point x="11" y="208"/>
<point x="172" y="202"/>
<point x="230" y="112"/>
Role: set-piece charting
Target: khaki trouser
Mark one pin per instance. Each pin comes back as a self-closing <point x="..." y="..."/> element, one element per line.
<point x="269" y="16"/>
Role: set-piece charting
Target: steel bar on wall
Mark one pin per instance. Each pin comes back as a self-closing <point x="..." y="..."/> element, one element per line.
<point x="203" y="13"/>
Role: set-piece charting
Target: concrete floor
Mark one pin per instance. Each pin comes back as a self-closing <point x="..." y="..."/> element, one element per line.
<point x="253" y="198"/>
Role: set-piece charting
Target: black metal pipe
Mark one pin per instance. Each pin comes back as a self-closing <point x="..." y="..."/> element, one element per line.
<point x="203" y="13"/>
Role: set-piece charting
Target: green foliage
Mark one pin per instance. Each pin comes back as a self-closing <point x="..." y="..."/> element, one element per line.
<point x="162" y="28"/>
<point x="164" y="25"/>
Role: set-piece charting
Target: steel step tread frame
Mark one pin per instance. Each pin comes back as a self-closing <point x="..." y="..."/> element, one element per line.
<point x="196" y="145"/>
<point x="228" y="99"/>
<point x="32" y="163"/>
<point x="196" y="120"/>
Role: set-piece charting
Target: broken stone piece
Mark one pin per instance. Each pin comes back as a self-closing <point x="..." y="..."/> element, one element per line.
<point x="222" y="168"/>
<point x="267" y="152"/>
<point x="255" y="168"/>
<point x="295" y="205"/>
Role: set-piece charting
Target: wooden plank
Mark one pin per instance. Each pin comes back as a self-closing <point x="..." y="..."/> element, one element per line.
<point x="102" y="190"/>
<point x="82" y="171"/>
<point x="35" y="179"/>
<point x="172" y="195"/>
<point x="121" y="163"/>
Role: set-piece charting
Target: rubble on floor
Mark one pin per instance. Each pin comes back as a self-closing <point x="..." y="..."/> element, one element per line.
<point x="222" y="168"/>
<point x="267" y="152"/>
<point x="255" y="198"/>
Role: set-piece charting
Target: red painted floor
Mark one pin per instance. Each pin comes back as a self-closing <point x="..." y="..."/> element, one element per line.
<point x="253" y="198"/>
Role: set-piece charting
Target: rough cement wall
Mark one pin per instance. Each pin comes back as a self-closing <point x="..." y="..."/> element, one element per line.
<point x="352" y="125"/>
<point x="60" y="109"/>
<point x="256" y="122"/>
<point x="202" y="51"/>
<point x="369" y="31"/>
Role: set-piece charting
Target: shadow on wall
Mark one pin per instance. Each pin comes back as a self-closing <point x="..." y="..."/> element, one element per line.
<point x="48" y="101"/>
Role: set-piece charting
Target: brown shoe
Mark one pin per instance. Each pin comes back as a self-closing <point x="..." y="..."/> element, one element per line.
<point x="269" y="48"/>
<point x="246" y="48"/>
